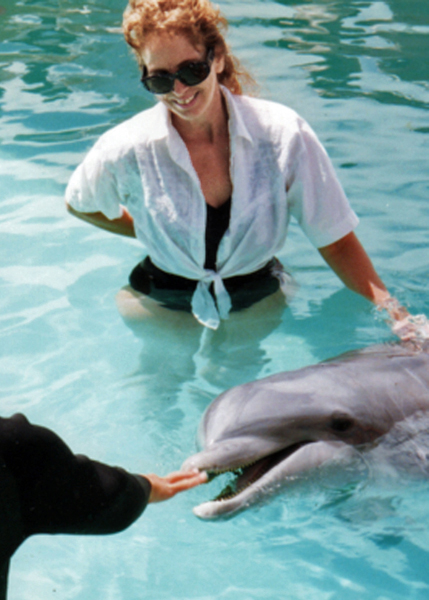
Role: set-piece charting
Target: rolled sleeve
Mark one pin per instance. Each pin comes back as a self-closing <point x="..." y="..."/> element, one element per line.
<point x="93" y="187"/>
<point x="316" y="197"/>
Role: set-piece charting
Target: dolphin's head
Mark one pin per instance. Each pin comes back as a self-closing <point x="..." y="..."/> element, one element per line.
<point x="269" y="431"/>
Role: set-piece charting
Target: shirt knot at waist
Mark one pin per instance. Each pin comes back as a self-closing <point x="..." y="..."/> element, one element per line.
<point x="206" y="309"/>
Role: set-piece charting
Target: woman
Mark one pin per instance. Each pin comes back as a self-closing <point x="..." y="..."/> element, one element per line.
<point x="209" y="178"/>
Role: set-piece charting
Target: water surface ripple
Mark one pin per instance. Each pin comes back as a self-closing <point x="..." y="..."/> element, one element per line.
<point x="358" y="71"/>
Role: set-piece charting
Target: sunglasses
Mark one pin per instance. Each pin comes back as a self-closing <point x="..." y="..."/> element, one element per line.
<point x="190" y="74"/>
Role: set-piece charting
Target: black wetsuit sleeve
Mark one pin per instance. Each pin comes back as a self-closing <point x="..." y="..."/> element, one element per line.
<point x="64" y="493"/>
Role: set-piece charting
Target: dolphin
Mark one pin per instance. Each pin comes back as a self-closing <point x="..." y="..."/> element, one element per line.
<point x="272" y="430"/>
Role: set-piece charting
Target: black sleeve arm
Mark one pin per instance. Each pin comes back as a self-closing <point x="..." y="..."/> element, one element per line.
<point x="64" y="493"/>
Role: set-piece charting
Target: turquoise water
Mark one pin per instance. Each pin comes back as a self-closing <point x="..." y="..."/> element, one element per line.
<point x="358" y="71"/>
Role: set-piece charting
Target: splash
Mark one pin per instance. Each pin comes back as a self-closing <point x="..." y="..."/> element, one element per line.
<point x="407" y="327"/>
<point x="413" y="328"/>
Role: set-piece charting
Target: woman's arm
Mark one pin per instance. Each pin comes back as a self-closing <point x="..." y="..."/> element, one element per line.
<point x="348" y="259"/>
<point x="124" y="225"/>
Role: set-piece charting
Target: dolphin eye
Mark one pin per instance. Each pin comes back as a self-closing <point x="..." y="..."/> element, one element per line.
<point x="341" y="423"/>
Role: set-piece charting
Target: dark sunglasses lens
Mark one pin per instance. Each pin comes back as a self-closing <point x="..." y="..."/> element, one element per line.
<point x="158" y="84"/>
<point x="191" y="74"/>
<point x="194" y="73"/>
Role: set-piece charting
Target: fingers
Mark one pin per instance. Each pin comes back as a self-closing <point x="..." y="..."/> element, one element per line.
<point x="181" y="481"/>
<point x="186" y="481"/>
<point x="183" y="476"/>
<point x="163" y="488"/>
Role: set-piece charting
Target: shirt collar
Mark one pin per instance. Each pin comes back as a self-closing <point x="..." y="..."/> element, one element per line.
<point x="162" y="129"/>
<point x="161" y="123"/>
<point x="237" y="126"/>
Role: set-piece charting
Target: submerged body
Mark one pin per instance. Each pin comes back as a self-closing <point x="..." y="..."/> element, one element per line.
<point x="292" y="422"/>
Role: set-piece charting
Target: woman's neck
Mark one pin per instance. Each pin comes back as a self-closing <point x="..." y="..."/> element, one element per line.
<point x="209" y="128"/>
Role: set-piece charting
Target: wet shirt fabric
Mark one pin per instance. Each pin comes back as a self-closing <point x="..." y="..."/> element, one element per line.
<point x="45" y="488"/>
<point x="176" y="292"/>
<point x="279" y="170"/>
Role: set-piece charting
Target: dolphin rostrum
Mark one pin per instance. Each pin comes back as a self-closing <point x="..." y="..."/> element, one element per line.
<point x="269" y="431"/>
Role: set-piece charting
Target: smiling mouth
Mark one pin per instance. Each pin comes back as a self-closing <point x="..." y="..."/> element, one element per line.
<point x="249" y="474"/>
<point x="186" y="102"/>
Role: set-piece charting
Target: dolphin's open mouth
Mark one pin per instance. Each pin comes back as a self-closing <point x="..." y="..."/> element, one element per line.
<point x="263" y="476"/>
<point x="249" y="474"/>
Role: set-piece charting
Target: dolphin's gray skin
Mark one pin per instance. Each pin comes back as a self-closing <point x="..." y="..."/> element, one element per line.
<point x="289" y="423"/>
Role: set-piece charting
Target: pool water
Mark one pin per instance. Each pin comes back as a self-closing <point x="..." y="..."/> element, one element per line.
<point x="358" y="71"/>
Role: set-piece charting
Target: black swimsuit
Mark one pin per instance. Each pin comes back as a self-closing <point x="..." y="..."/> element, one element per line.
<point x="176" y="292"/>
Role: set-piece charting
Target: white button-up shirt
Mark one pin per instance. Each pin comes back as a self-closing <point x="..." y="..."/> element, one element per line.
<point x="278" y="169"/>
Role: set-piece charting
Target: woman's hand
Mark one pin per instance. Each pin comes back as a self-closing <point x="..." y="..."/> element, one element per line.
<point x="166" y="487"/>
<point x="407" y="327"/>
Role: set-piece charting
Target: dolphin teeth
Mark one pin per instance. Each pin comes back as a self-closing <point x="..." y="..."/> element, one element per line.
<point x="214" y="471"/>
<point x="250" y="472"/>
<point x="232" y="489"/>
<point x="229" y="492"/>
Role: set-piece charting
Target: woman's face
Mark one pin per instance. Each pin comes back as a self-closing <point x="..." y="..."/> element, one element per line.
<point x="164" y="52"/>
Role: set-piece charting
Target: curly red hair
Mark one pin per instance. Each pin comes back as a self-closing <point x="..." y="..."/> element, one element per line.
<point x="199" y="20"/>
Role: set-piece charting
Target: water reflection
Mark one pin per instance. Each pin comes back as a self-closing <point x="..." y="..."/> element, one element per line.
<point x="361" y="48"/>
<point x="60" y="66"/>
<point x="176" y="349"/>
<point x="67" y="76"/>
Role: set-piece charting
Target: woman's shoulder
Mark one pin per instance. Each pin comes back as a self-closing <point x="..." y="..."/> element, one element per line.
<point x="265" y="109"/>
<point x="265" y="114"/>
<point x="137" y="131"/>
